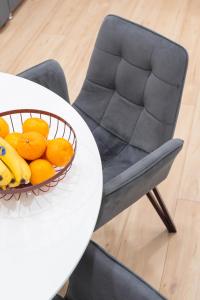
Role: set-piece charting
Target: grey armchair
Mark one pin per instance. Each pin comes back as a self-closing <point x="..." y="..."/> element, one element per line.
<point x="130" y="100"/>
<point x="99" y="276"/>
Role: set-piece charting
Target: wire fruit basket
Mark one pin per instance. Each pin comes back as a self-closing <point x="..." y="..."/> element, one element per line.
<point x="58" y="128"/>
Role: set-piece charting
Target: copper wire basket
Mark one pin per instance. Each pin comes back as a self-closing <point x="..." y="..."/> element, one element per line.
<point x="58" y="127"/>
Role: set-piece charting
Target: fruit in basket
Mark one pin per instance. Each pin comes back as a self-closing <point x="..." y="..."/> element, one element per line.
<point x="5" y="175"/>
<point x="4" y="128"/>
<point x="16" y="164"/>
<point x="41" y="170"/>
<point x="25" y="169"/>
<point x="31" y="145"/>
<point x="25" y="174"/>
<point x="13" y="138"/>
<point x="36" y="124"/>
<point x="59" y="152"/>
<point x="14" y="183"/>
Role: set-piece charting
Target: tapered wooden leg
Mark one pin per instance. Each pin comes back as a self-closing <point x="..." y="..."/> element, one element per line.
<point x="159" y="205"/>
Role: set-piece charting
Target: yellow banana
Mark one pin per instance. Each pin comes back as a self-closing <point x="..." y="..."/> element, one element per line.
<point x="17" y="165"/>
<point x="5" y="175"/>
<point x="3" y="187"/>
<point x="25" y="174"/>
<point x="25" y="170"/>
<point x="13" y="183"/>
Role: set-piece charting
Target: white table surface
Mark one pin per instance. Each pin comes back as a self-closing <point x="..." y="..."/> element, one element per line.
<point x="43" y="238"/>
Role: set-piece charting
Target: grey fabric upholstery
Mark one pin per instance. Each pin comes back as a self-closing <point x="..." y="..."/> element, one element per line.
<point x="99" y="276"/>
<point x="50" y="75"/>
<point x="126" y="188"/>
<point x="6" y="7"/>
<point x="134" y="84"/>
<point x="57" y="297"/>
<point x="130" y="100"/>
<point x="13" y="4"/>
<point x="4" y="12"/>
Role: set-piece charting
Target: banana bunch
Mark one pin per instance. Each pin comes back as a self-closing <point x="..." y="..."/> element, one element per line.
<point x="5" y="175"/>
<point x="14" y="170"/>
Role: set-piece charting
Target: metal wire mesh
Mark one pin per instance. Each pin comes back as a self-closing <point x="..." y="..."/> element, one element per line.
<point x="58" y="127"/>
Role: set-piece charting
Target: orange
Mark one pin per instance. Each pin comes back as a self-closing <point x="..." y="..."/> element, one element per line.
<point x="31" y="145"/>
<point x="13" y="138"/>
<point x="36" y="124"/>
<point x="41" y="170"/>
<point x="59" y="152"/>
<point x="4" y="128"/>
<point x="44" y="154"/>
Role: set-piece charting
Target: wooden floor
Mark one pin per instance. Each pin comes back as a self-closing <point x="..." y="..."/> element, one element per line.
<point x="66" y="30"/>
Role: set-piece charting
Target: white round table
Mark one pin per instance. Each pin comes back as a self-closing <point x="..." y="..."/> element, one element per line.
<point x="43" y="238"/>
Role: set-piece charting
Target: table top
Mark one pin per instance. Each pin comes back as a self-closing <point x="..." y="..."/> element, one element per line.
<point x="43" y="238"/>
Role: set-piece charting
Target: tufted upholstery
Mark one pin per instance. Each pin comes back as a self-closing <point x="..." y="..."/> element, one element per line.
<point x="132" y="89"/>
<point x="130" y="100"/>
<point x="137" y="77"/>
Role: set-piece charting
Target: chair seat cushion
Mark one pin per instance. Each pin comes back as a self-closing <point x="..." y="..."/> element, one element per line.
<point x="116" y="155"/>
<point x="122" y="161"/>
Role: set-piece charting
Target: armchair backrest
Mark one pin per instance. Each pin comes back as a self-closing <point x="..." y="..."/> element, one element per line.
<point x="134" y="83"/>
<point x="99" y="276"/>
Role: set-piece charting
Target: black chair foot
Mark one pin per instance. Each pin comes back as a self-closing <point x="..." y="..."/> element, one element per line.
<point x="159" y="205"/>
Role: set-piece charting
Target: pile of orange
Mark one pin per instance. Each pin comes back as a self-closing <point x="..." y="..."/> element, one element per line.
<point x="33" y="145"/>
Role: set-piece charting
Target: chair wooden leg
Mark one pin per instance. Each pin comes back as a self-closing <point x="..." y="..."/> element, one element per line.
<point x="159" y="205"/>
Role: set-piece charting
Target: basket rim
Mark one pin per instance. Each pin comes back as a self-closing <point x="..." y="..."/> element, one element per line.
<point x="53" y="179"/>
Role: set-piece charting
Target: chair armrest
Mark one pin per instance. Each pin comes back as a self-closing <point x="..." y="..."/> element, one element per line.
<point x="164" y="155"/>
<point x="50" y="75"/>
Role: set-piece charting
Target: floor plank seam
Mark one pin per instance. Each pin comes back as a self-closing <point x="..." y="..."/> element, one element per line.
<point x="166" y="255"/>
<point x="122" y="233"/>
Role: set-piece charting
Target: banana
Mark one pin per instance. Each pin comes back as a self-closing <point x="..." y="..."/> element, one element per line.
<point x="26" y="171"/>
<point x="25" y="174"/>
<point x="13" y="183"/>
<point x="5" y="175"/>
<point x="17" y="165"/>
<point x="9" y="156"/>
<point x="3" y="187"/>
